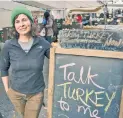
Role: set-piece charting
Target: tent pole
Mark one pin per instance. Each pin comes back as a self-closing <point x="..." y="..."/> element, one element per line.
<point x="105" y="15"/>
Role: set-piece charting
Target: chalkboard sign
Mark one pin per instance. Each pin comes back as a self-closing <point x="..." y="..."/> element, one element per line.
<point x="85" y="84"/>
<point x="110" y="40"/>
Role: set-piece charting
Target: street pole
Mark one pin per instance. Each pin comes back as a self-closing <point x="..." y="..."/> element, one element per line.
<point x="104" y="3"/>
<point x="112" y="10"/>
<point x="105" y="13"/>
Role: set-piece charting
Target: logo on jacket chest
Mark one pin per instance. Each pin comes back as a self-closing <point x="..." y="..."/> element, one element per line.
<point x="40" y="47"/>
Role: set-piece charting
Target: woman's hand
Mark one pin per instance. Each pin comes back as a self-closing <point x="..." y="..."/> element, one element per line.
<point x="6" y="83"/>
<point x="6" y="90"/>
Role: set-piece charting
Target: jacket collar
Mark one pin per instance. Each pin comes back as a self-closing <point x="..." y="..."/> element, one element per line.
<point x="15" y="42"/>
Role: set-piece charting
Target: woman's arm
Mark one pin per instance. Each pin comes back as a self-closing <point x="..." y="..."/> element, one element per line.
<point x="4" y="65"/>
<point x="47" y="46"/>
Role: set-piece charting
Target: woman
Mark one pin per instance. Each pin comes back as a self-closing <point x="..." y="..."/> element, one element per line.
<point x="48" y="26"/>
<point x="25" y="55"/>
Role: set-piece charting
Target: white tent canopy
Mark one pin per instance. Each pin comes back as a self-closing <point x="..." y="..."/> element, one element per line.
<point x="5" y="11"/>
<point x="72" y="4"/>
<point x="69" y="5"/>
<point x="9" y="5"/>
<point x="36" y="5"/>
<point x="61" y="4"/>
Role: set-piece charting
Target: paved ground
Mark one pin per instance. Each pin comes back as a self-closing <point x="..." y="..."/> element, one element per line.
<point x="6" y="108"/>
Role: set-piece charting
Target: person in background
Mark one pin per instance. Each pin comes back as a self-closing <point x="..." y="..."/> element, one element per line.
<point x="35" y="20"/>
<point x="43" y="29"/>
<point x="25" y="54"/>
<point x="51" y="16"/>
<point x="79" y="20"/>
<point x="48" y="26"/>
<point x="68" y="20"/>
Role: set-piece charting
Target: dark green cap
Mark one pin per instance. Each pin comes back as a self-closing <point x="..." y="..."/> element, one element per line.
<point x="20" y="10"/>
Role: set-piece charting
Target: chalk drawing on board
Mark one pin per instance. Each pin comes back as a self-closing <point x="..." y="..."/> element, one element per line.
<point x="63" y="116"/>
<point x="112" y="88"/>
<point x="64" y="105"/>
<point x="109" y="76"/>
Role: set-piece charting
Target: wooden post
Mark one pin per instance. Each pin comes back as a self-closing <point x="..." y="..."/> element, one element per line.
<point x="121" y="107"/>
<point x="51" y="82"/>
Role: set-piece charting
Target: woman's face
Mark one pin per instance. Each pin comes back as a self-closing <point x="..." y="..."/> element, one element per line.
<point x="22" y="24"/>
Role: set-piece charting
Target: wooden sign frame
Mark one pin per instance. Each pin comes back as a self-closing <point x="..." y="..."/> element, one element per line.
<point x="83" y="52"/>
